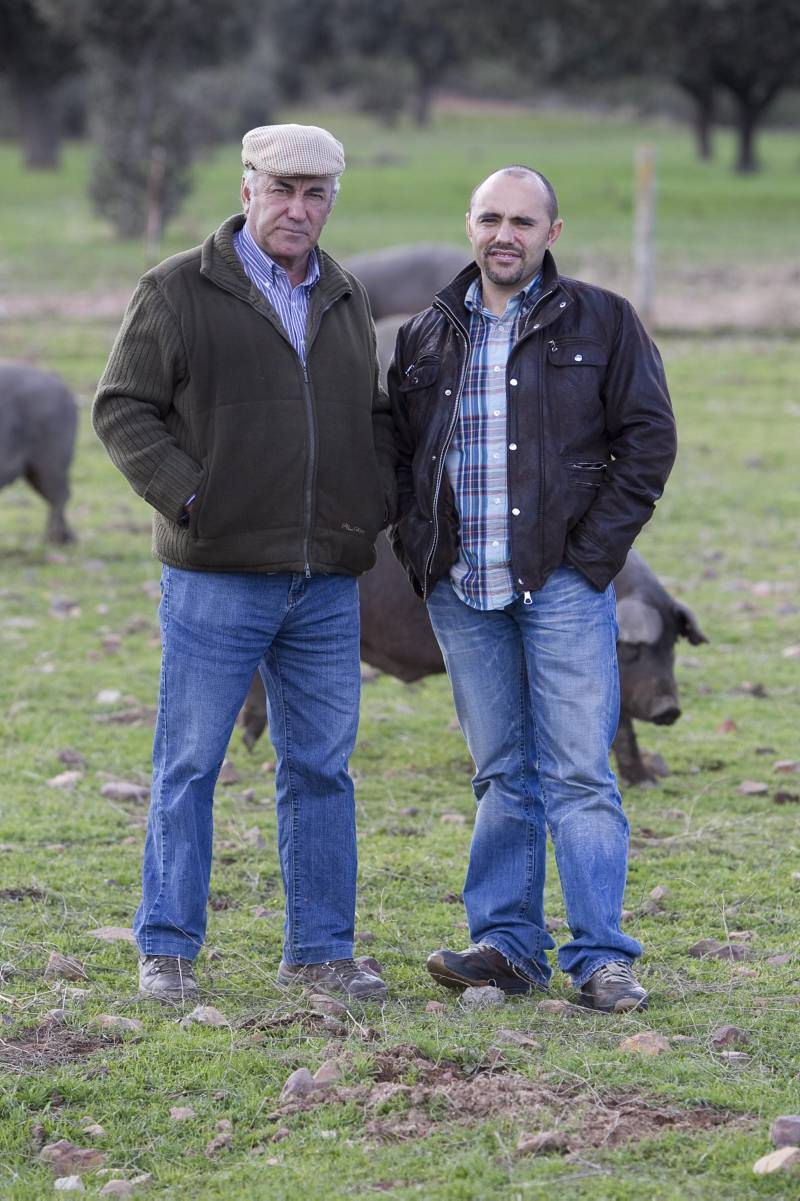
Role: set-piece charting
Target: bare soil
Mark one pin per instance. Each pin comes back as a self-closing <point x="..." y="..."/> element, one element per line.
<point x="412" y="1095"/>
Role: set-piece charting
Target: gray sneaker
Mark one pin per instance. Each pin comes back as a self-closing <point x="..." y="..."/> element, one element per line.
<point x="167" y="978"/>
<point x="613" y="989"/>
<point x="341" y="976"/>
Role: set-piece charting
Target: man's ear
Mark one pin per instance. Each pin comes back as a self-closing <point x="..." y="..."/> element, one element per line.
<point x="688" y="626"/>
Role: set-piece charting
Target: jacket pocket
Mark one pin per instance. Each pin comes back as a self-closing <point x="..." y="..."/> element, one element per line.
<point x="576" y="352"/>
<point x="587" y="474"/>
<point x="422" y="374"/>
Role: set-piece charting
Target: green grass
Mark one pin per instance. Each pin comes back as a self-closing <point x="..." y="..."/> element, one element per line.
<point x="407" y="184"/>
<point x="725" y="539"/>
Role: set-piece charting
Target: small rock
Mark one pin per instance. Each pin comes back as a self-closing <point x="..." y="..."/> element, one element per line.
<point x="63" y="967"/>
<point x="734" y="951"/>
<point x="94" y="1130"/>
<point x="220" y="1142"/>
<point x="254" y="838"/>
<point x="299" y="1084"/>
<point x="71" y="758"/>
<point x="648" y="1042"/>
<point x="205" y="1015"/>
<point x="364" y="936"/>
<point x="280" y="1134"/>
<point x="181" y="1113"/>
<point x="260" y="911"/>
<point x="542" y="1143"/>
<point x="118" y="1188"/>
<point x="117" y="1024"/>
<point x="64" y="1155"/>
<point x="333" y="1026"/>
<point x="321" y="1003"/>
<point x="113" y="934"/>
<point x="660" y="893"/>
<point x="752" y="788"/>
<point x="225" y="1126"/>
<point x="787" y="766"/>
<point x="787" y="1159"/>
<point x="785" y="1131"/>
<point x="66" y="781"/>
<point x="108" y="696"/>
<point x="56" y="1017"/>
<point x="791" y="652"/>
<point x="327" y="1074"/>
<point x="705" y="946"/>
<point x="486" y="997"/>
<point x="124" y="790"/>
<point x="728" y="1036"/>
<point x="435" y="1007"/>
<point x="516" y="1038"/>
<point x="455" y="819"/>
<point x="782" y="796"/>
<point x="69" y="1184"/>
<point x="409" y="811"/>
<point x="558" y="1007"/>
<point x="228" y="773"/>
<point x="735" y="1059"/>
<point x="780" y="960"/>
<point x="728" y="726"/>
<point x="552" y="924"/>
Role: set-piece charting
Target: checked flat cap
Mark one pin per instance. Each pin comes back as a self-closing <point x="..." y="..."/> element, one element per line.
<point x="292" y="150"/>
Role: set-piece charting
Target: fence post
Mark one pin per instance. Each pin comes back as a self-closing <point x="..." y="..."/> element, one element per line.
<point x="644" y="223"/>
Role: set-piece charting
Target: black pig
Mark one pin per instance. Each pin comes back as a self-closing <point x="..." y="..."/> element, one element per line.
<point x="38" y="420"/>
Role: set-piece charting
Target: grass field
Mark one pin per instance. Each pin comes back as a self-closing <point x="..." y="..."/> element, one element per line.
<point x="430" y="1104"/>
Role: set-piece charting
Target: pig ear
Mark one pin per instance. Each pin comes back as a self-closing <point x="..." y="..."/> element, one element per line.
<point x="638" y="622"/>
<point x="687" y="625"/>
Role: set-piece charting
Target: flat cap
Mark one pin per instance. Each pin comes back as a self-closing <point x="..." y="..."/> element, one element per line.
<point x="292" y="150"/>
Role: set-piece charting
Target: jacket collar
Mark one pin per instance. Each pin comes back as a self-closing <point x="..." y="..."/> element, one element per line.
<point x="220" y="264"/>
<point x="453" y="296"/>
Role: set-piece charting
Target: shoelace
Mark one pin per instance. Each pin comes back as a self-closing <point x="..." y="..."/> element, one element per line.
<point x="616" y="973"/>
<point x="347" y="969"/>
<point x="169" y="965"/>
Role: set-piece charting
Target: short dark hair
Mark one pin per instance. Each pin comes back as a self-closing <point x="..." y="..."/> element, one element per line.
<point x="521" y="169"/>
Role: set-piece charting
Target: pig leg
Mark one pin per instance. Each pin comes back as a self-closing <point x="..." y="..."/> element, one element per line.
<point x="54" y="488"/>
<point x="630" y="765"/>
<point x="253" y="713"/>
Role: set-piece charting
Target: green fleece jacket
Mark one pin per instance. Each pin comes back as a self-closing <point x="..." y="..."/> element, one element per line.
<point x="204" y="395"/>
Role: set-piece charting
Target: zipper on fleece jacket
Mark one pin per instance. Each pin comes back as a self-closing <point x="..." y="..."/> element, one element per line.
<point x="311" y="463"/>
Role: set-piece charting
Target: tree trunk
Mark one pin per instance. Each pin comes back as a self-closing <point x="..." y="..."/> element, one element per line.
<point x="747" y="118"/>
<point x="703" y="122"/>
<point x="39" y="124"/>
<point x="421" y="102"/>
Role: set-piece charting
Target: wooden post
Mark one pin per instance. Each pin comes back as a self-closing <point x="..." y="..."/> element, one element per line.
<point x="155" y="185"/>
<point x="644" y="234"/>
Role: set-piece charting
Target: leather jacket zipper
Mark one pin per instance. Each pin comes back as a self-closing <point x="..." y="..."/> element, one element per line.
<point x="448" y="439"/>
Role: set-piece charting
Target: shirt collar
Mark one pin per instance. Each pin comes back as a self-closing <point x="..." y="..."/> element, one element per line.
<point x="272" y="269"/>
<point x="474" y="297"/>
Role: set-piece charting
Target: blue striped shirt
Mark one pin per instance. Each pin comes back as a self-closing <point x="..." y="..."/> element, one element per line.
<point x="291" y="304"/>
<point x="476" y="462"/>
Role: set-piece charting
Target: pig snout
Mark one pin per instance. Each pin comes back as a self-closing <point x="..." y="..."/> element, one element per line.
<point x="664" y="711"/>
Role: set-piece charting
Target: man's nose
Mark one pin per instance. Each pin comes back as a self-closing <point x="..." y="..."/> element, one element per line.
<point x="296" y="208"/>
<point x="505" y="232"/>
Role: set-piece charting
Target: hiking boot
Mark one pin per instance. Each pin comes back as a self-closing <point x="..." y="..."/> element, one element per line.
<point x="613" y="989"/>
<point x="478" y="967"/>
<point x="167" y="978"/>
<point x="344" y="977"/>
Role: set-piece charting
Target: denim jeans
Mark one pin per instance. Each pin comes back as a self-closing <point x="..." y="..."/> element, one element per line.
<point x="217" y="629"/>
<point x="536" y="690"/>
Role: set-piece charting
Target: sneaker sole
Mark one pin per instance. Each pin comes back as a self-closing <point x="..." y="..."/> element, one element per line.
<point x="442" y="974"/>
<point x="329" y="990"/>
<point x="623" y="1005"/>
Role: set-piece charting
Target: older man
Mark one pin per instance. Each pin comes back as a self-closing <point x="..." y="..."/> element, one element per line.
<point x="535" y="435"/>
<point x="242" y="401"/>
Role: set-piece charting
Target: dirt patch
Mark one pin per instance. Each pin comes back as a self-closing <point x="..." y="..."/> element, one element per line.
<point x="46" y="1047"/>
<point x="21" y="894"/>
<point x="412" y="1095"/>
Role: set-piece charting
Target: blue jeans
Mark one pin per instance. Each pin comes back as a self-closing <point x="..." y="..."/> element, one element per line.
<point x="536" y="690"/>
<point x="217" y="629"/>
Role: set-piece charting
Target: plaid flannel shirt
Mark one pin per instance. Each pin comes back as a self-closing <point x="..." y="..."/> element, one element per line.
<point x="476" y="460"/>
